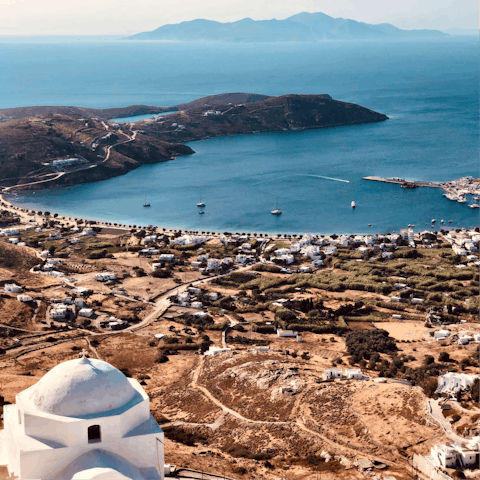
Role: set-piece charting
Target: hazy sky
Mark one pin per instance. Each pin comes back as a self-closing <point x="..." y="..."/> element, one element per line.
<point x="120" y="17"/>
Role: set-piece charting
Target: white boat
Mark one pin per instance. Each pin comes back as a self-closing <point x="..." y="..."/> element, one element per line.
<point x="276" y="211"/>
<point x="201" y="202"/>
<point x="433" y="220"/>
<point x="474" y="205"/>
<point x="145" y="203"/>
<point x="353" y="204"/>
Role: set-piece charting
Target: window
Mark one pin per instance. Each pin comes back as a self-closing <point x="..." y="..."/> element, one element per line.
<point x="19" y="417"/>
<point x="94" y="434"/>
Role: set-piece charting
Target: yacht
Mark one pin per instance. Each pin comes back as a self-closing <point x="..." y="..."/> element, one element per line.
<point x="474" y="205"/>
<point x="353" y="204"/>
<point x="200" y="204"/>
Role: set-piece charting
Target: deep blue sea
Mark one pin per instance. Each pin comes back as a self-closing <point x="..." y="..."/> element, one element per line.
<point x="429" y="89"/>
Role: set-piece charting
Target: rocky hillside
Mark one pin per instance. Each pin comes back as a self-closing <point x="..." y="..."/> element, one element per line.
<point x="29" y="146"/>
<point x="288" y="112"/>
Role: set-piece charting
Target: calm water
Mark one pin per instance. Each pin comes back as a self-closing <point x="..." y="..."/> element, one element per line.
<point x="429" y="91"/>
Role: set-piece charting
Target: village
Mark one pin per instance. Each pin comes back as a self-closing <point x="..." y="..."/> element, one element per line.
<point x="239" y="338"/>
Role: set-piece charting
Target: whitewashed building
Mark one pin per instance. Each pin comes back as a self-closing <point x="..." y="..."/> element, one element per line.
<point x="12" y="287"/>
<point x="451" y="382"/>
<point x="84" y="419"/>
<point x="105" y="276"/>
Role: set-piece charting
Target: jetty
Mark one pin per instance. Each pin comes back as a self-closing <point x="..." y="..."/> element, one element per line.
<point x="405" y="183"/>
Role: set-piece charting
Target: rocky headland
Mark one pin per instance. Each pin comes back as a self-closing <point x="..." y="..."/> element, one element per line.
<point x="36" y="137"/>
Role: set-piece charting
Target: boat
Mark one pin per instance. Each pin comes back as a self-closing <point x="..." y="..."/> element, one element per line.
<point x="145" y="203"/>
<point x="276" y="211"/>
<point x="200" y="204"/>
<point x="442" y="220"/>
<point x="369" y="224"/>
<point x="474" y="205"/>
<point x="353" y="204"/>
<point x="450" y="221"/>
<point x="201" y="212"/>
<point x="433" y="220"/>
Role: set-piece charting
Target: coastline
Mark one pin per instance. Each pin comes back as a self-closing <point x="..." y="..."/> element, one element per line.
<point x="124" y="228"/>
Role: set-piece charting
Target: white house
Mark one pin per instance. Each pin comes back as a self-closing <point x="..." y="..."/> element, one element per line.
<point x="212" y="264"/>
<point x="395" y="299"/>
<point x="194" y="291"/>
<point x="166" y="257"/>
<point x="417" y="300"/>
<point x="444" y="455"/>
<point x="58" y="312"/>
<point x="197" y="305"/>
<point x="332" y="373"/>
<point x="329" y="250"/>
<point x="305" y="269"/>
<point x="288" y="258"/>
<point x="407" y="234"/>
<point x="317" y="263"/>
<point x="213" y="296"/>
<point x="85" y="312"/>
<point x="150" y="239"/>
<point x="24" y="298"/>
<point x="452" y="381"/>
<point x="84" y="419"/>
<point x="105" y="276"/>
<point x="11" y="287"/>
<point x="7" y="232"/>
<point x="465" y="340"/>
<point x="353" y="373"/>
<point x="87" y="231"/>
<point x="183" y="297"/>
<point x="14" y="240"/>
<point x="396" y="316"/>
<point x="441" y="335"/>
<point x="387" y="254"/>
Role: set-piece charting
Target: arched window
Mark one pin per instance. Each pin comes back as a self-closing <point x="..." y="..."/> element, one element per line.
<point x="94" y="434"/>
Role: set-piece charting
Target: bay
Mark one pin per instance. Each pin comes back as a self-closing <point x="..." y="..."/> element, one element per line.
<point x="428" y="89"/>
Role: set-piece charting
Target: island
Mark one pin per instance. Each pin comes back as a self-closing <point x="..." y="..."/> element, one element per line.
<point x="47" y="147"/>
<point x="302" y="27"/>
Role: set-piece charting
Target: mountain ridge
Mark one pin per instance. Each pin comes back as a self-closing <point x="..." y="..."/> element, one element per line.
<point x="301" y="27"/>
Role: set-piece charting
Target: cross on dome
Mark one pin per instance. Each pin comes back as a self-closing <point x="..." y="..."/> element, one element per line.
<point x="84" y="353"/>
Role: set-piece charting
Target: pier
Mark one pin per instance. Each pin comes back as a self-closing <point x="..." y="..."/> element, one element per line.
<point x="403" y="182"/>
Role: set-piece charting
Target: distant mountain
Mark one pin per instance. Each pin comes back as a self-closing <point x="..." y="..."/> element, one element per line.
<point x="303" y="27"/>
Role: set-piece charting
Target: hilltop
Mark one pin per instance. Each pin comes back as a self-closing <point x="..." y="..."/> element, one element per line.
<point x="302" y="27"/>
<point x="30" y="145"/>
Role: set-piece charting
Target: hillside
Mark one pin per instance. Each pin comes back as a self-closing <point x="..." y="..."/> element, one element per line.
<point x="287" y="112"/>
<point x="29" y="146"/>
<point x="7" y="114"/>
<point x="303" y="27"/>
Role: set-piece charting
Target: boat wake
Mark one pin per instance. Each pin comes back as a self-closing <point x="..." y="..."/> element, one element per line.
<point x="327" y="178"/>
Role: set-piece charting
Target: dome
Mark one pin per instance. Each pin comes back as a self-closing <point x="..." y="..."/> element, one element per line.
<point x="81" y="387"/>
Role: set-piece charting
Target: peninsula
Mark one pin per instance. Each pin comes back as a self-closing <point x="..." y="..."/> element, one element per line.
<point x="69" y="145"/>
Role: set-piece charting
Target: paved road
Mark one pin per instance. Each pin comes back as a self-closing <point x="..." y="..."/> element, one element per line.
<point x="436" y="412"/>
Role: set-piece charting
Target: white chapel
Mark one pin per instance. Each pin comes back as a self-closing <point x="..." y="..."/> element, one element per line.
<point x="83" y="420"/>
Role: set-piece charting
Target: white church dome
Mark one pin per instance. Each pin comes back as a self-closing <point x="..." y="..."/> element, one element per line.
<point x="82" y="387"/>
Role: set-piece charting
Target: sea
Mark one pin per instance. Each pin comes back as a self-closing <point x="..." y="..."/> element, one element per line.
<point x="428" y="88"/>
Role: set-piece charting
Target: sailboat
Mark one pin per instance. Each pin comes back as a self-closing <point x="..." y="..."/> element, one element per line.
<point x="145" y="203"/>
<point x="277" y="211"/>
<point x="201" y="203"/>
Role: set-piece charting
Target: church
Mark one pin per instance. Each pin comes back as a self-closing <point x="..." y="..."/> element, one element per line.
<point x="83" y="420"/>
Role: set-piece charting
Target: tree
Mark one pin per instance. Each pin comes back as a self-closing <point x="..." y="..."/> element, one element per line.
<point x="444" y="357"/>
<point x="429" y="360"/>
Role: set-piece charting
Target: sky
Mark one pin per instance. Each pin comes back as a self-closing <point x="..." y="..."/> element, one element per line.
<point x="126" y="17"/>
